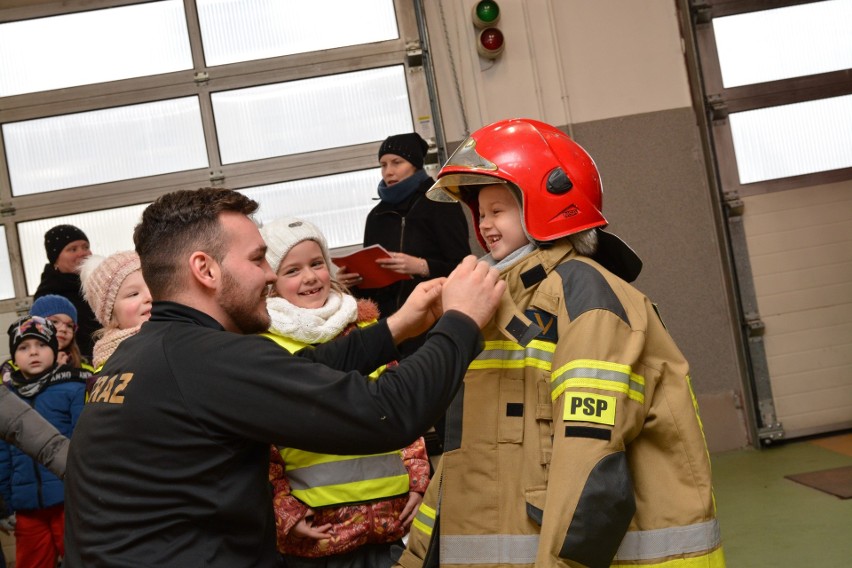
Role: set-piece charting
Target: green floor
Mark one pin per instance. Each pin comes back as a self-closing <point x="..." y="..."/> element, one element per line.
<point x="770" y="521"/>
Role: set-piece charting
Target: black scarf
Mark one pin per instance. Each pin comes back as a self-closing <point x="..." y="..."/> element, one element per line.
<point x="400" y="191"/>
<point x="29" y="388"/>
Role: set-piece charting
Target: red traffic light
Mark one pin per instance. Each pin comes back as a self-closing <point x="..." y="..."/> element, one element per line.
<point x="491" y="43"/>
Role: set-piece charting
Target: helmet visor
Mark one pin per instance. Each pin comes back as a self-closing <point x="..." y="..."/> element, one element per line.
<point x="448" y="187"/>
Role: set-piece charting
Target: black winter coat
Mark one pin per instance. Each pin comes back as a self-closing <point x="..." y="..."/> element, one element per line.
<point x="68" y="285"/>
<point x="432" y="230"/>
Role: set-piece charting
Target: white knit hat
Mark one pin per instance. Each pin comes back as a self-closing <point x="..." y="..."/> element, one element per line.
<point x="284" y="233"/>
<point x="102" y="277"/>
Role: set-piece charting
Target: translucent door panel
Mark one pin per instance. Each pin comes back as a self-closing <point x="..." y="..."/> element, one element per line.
<point x="311" y="114"/>
<point x="109" y="231"/>
<point x="337" y="204"/>
<point x="93" y="47"/>
<point x="795" y="41"/>
<point x="7" y="287"/>
<point x="793" y="140"/>
<point x="245" y="30"/>
<point x="100" y="146"/>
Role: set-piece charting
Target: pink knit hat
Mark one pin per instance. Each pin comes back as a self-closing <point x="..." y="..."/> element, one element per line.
<point x="102" y="277"/>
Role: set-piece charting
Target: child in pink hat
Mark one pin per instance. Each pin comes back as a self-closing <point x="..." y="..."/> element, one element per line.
<point x="114" y="288"/>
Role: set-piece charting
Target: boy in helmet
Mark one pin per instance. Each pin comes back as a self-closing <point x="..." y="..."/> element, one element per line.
<point x="575" y="440"/>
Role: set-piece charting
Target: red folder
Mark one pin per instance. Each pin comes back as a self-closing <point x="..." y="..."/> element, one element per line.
<point x="364" y="263"/>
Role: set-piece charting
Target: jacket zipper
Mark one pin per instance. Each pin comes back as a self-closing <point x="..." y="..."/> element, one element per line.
<point x="401" y="241"/>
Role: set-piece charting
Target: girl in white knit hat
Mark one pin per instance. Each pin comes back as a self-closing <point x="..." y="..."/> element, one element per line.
<point x="337" y="517"/>
<point x="114" y="288"/>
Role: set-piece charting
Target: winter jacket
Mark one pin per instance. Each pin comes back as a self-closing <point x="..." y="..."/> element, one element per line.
<point x="432" y="230"/>
<point x="68" y="285"/>
<point x="26" y="429"/>
<point x="170" y="461"/>
<point x="579" y="443"/>
<point x="27" y="485"/>
<point x="364" y="510"/>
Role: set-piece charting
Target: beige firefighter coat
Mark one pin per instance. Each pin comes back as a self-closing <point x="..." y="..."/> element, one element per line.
<point x="580" y="442"/>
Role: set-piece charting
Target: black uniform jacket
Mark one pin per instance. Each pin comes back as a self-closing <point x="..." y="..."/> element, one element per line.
<point x="168" y="464"/>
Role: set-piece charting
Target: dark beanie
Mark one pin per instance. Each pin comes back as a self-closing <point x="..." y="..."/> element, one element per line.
<point x="58" y="238"/>
<point x="32" y="326"/>
<point x="409" y="146"/>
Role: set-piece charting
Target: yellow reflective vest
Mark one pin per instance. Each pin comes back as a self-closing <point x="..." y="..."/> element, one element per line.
<point x="578" y="441"/>
<point x="321" y="480"/>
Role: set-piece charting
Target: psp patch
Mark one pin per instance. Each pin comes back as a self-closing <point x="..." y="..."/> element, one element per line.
<point x="587" y="407"/>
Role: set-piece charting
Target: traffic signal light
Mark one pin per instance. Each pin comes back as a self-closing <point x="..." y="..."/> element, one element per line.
<point x="489" y="40"/>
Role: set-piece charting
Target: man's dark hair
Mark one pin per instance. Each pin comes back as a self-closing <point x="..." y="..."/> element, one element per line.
<point x="178" y="223"/>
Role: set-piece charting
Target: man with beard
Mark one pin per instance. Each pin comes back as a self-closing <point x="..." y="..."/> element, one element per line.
<point x="168" y="466"/>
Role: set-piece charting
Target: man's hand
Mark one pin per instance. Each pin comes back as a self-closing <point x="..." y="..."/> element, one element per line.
<point x="419" y="312"/>
<point x="473" y="288"/>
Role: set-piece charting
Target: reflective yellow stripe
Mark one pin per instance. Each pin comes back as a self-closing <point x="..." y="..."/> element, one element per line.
<point x="510" y="355"/>
<point x="598" y="375"/>
<point x="324" y="479"/>
<point x="354" y="492"/>
<point x="668" y="542"/>
<point x="292" y="346"/>
<point x="715" y="559"/>
<point x="424" y="521"/>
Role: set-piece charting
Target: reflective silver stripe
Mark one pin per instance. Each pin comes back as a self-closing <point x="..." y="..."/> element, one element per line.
<point x="662" y="543"/>
<point x="515" y="354"/>
<point x="601" y="374"/>
<point x="425" y="519"/>
<point x="489" y="549"/>
<point x="346" y="471"/>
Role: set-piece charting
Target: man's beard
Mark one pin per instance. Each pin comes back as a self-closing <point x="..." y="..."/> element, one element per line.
<point x="247" y="312"/>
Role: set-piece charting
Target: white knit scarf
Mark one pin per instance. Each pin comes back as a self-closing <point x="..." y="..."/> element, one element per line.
<point x="312" y="325"/>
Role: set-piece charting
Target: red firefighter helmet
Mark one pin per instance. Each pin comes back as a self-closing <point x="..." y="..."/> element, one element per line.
<point x="559" y="183"/>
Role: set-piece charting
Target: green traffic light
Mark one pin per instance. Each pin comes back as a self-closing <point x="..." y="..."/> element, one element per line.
<point x="487" y="11"/>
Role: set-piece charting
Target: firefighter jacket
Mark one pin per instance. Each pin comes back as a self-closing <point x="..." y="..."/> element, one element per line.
<point x="579" y="441"/>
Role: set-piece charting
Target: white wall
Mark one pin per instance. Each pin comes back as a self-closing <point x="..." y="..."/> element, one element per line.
<point x="565" y="61"/>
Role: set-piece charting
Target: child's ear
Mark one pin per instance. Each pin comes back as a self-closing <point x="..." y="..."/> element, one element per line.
<point x="204" y="269"/>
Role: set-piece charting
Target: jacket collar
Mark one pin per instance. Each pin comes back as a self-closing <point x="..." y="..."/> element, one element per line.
<point x="164" y="311"/>
<point x="528" y="271"/>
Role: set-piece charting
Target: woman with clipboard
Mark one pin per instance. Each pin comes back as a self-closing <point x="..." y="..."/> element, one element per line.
<point x="422" y="238"/>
